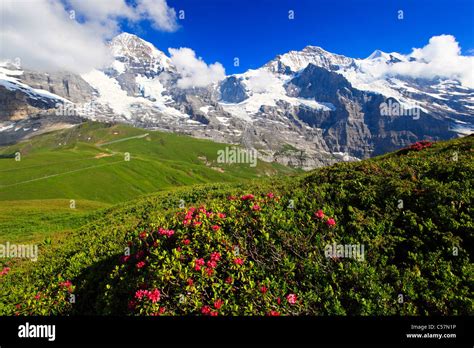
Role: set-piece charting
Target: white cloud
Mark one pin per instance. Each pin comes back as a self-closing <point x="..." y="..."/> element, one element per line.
<point x="262" y="81"/>
<point x="194" y="71"/>
<point x="45" y="35"/>
<point x="158" y="13"/>
<point x="441" y="57"/>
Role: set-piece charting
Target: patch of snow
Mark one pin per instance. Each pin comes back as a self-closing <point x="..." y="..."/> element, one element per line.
<point x="205" y="109"/>
<point x="12" y="84"/>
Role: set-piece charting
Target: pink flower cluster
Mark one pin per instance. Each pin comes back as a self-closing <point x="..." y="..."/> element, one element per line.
<point x="420" y="145"/>
<point x="141" y="264"/>
<point x="210" y="265"/>
<point x="153" y="296"/>
<point x="5" y="271"/>
<point x="198" y="263"/>
<point x="67" y="284"/>
<point x="124" y="258"/>
<point x="189" y="216"/>
<point x="330" y="221"/>
<point x="192" y="216"/>
<point x="206" y="310"/>
<point x="247" y="197"/>
<point x="291" y="298"/>
<point x="238" y="261"/>
<point x="164" y="232"/>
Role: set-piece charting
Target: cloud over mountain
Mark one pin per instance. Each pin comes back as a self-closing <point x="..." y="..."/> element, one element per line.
<point x="441" y="57"/>
<point x="194" y="71"/>
<point x="50" y="35"/>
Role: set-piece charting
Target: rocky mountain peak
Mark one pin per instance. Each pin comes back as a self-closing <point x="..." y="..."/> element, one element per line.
<point x="298" y="60"/>
<point x="129" y="48"/>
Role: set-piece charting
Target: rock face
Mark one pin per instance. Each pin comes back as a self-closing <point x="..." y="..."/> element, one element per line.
<point x="304" y="108"/>
<point x="67" y="85"/>
<point x="232" y="90"/>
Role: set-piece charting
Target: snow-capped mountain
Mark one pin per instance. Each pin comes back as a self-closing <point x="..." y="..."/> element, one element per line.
<point x="305" y="108"/>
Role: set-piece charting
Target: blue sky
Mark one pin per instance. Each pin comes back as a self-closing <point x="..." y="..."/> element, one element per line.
<point x="256" y="31"/>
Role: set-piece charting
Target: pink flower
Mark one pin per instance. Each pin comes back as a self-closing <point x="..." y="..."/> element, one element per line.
<point x="263" y="289"/>
<point x="218" y="304"/>
<point x="66" y="284"/>
<point x="238" y="261"/>
<point x="154" y="295"/>
<point x="206" y="310"/>
<point x="5" y="271"/>
<point x="278" y="300"/>
<point x="143" y="235"/>
<point x="124" y="258"/>
<point x="221" y="215"/>
<point x="197" y="223"/>
<point x="164" y="232"/>
<point x="186" y="242"/>
<point x="141" y="264"/>
<point x="139" y="294"/>
<point x="190" y="282"/>
<point x="273" y="314"/>
<point x="211" y="264"/>
<point x="214" y="314"/>
<point x="229" y="280"/>
<point x="319" y="214"/>
<point x="270" y="195"/>
<point x="215" y="256"/>
<point x="215" y="227"/>
<point x="291" y="298"/>
<point x="330" y="222"/>
<point x="198" y="263"/>
<point x="186" y="221"/>
<point x="247" y="197"/>
<point x="209" y="272"/>
<point x="38" y="296"/>
<point x="231" y="198"/>
<point x="256" y="207"/>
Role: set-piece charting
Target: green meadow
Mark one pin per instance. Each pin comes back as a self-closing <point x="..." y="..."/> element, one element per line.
<point x="63" y="176"/>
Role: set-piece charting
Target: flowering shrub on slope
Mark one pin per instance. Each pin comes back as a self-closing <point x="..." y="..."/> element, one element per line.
<point x="205" y="260"/>
<point x="263" y="253"/>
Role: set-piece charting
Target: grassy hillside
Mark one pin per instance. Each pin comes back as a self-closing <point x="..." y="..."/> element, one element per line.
<point x="259" y="248"/>
<point x="87" y="164"/>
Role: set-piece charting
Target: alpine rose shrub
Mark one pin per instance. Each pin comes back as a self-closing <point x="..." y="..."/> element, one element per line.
<point x="199" y="260"/>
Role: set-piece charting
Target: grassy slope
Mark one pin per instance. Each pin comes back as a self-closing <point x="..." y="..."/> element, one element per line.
<point x="86" y="164"/>
<point x="409" y="251"/>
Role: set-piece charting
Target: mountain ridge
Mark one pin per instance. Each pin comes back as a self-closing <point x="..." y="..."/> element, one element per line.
<point x="257" y="108"/>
